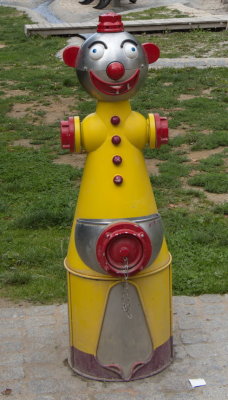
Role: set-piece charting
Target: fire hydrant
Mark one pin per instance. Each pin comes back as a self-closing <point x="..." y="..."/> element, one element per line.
<point x="118" y="264"/>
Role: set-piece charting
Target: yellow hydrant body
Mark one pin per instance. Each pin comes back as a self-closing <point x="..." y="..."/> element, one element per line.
<point x="118" y="264"/>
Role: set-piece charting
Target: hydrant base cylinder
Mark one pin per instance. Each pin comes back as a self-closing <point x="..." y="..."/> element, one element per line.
<point x="120" y="331"/>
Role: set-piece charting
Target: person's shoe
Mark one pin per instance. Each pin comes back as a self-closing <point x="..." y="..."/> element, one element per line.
<point x="102" y="4"/>
<point x="85" y="2"/>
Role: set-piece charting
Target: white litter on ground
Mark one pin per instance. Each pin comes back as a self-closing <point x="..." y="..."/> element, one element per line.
<point x="197" y="382"/>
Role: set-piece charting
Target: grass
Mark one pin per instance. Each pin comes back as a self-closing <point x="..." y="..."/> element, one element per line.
<point x="154" y="13"/>
<point x="195" y="43"/>
<point x="199" y="142"/>
<point x="38" y="196"/>
<point x="210" y="163"/>
<point x="212" y="182"/>
<point x="201" y="241"/>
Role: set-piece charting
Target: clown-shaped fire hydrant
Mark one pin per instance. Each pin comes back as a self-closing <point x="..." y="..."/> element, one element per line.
<point x="118" y="264"/>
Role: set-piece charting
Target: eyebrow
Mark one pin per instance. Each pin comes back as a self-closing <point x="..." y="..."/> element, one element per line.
<point x="127" y="41"/>
<point x="98" y="41"/>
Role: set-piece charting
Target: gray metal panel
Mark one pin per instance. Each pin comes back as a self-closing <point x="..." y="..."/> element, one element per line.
<point x="87" y="232"/>
<point x="124" y="341"/>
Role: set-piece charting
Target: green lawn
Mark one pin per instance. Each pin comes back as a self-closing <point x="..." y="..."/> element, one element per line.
<point x="154" y="13"/>
<point x="195" y="43"/>
<point x="38" y="196"/>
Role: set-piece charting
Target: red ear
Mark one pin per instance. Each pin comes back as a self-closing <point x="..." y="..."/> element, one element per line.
<point x="152" y="52"/>
<point x="70" y="54"/>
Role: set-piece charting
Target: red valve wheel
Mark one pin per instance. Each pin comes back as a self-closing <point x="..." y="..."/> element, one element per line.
<point x="123" y="248"/>
<point x="162" y="131"/>
<point x="67" y="134"/>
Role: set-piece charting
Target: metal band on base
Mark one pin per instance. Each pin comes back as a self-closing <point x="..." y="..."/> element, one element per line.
<point x="112" y="278"/>
<point x="88" y="366"/>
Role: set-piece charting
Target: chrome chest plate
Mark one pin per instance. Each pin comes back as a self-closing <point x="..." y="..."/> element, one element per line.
<point x="87" y="232"/>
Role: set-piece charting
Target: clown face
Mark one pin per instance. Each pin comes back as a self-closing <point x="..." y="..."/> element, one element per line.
<point x="111" y="66"/>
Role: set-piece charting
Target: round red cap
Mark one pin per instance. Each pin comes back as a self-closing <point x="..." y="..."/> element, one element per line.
<point x="67" y="134"/>
<point x="121" y="242"/>
<point x="110" y="22"/>
<point x="162" y="130"/>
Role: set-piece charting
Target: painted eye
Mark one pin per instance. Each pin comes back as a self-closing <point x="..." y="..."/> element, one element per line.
<point x="96" y="51"/>
<point x="130" y="50"/>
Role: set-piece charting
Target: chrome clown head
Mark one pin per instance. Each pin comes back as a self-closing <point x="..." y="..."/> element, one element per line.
<point x="111" y="64"/>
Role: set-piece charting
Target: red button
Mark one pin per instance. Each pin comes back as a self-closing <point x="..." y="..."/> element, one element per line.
<point x="117" y="160"/>
<point x="116" y="139"/>
<point x="118" y="179"/>
<point x="115" y="120"/>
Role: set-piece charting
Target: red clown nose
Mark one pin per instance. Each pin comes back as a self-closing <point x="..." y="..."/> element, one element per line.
<point x="115" y="70"/>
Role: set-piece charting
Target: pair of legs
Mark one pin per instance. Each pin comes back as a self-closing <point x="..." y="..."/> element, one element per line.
<point x="104" y="3"/>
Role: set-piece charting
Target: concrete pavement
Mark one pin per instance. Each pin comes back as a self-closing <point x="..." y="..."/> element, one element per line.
<point x="34" y="348"/>
<point x="190" y="62"/>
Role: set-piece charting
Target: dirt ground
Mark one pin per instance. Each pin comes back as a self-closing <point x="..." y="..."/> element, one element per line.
<point x="6" y="303"/>
<point x="58" y="108"/>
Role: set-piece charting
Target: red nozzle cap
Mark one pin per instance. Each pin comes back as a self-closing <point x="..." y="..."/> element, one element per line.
<point x="121" y="241"/>
<point x="162" y="131"/>
<point x="110" y="22"/>
<point x="67" y="134"/>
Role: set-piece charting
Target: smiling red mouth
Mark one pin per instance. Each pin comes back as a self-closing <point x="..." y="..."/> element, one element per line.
<point x="114" y="88"/>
